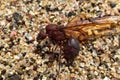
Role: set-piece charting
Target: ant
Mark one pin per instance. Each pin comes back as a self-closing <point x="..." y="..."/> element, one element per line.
<point x="69" y="46"/>
<point x="66" y="37"/>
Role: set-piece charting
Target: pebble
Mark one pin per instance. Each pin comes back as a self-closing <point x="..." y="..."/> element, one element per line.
<point x="112" y="4"/>
<point x="106" y="78"/>
<point x="13" y="34"/>
<point x="2" y="23"/>
<point x="14" y="77"/>
<point x="28" y="37"/>
<point x="3" y="72"/>
<point x="17" y="16"/>
<point x="82" y="64"/>
<point x="13" y="26"/>
<point x="44" y="78"/>
<point x="118" y="71"/>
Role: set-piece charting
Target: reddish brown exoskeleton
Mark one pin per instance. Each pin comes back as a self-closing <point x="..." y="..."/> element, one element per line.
<point x="69" y="46"/>
<point x="68" y="37"/>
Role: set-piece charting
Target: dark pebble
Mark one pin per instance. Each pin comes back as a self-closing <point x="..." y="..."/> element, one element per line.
<point x="3" y="72"/>
<point x="99" y="52"/>
<point x="28" y="1"/>
<point x="18" y="40"/>
<point x="99" y="13"/>
<point x="71" y="14"/>
<point x="28" y="72"/>
<point x="38" y="77"/>
<point x="24" y="53"/>
<point x="52" y="76"/>
<point x="39" y="47"/>
<point x="112" y="5"/>
<point x="72" y="78"/>
<point x="59" y="23"/>
<point x="20" y="72"/>
<point x="11" y="44"/>
<point x="1" y="47"/>
<point x="13" y="77"/>
<point x="13" y="25"/>
<point x="23" y="67"/>
<point x="119" y="10"/>
<point x="9" y="19"/>
<point x="17" y="16"/>
<point x="93" y="4"/>
<point x="50" y="9"/>
<point x="23" y="22"/>
<point x="1" y="78"/>
<point x="38" y="1"/>
<point x="32" y="61"/>
<point x="28" y="42"/>
<point x="5" y="31"/>
<point x="4" y="63"/>
<point x="35" y="67"/>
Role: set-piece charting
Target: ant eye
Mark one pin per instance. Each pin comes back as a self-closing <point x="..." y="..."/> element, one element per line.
<point x="74" y="43"/>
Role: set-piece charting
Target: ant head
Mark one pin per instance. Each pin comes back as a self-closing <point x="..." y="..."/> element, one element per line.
<point x="41" y="35"/>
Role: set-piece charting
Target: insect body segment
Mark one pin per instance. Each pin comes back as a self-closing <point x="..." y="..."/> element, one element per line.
<point x="66" y="37"/>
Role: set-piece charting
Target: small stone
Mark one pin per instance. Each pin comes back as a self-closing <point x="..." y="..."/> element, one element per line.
<point x="36" y="78"/>
<point x="118" y="71"/>
<point x="9" y="19"/>
<point x="13" y="25"/>
<point x="23" y="53"/>
<point x="44" y="78"/>
<point x="1" y="78"/>
<point x="82" y="64"/>
<point x="71" y="14"/>
<point x="38" y="1"/>
<point x="28" y="37"/>
<point x="17" y="16"/>
<point x="17" y="56"/>
<point x="1" y="47"/>
<point x="3" y="72"/>
<point x="106" y="78"/>
<point x="14" y="77"/>
<point x="13" y="33"/>
<point x="5" y="31"/>
<point x="2" y="23"/>
<point x="35" y="67"/>
<point x="112" y="5"/>
<point x="96" y="73"/>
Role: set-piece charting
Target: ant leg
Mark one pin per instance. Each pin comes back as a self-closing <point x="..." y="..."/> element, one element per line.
<point x="59" y="61"/>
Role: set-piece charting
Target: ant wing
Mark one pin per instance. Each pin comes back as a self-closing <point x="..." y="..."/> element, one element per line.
<point x="76" y="21"/>
<point x="79" y="20"/>
<point x="99" y="27"/>
<point x="107" y="19"/>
